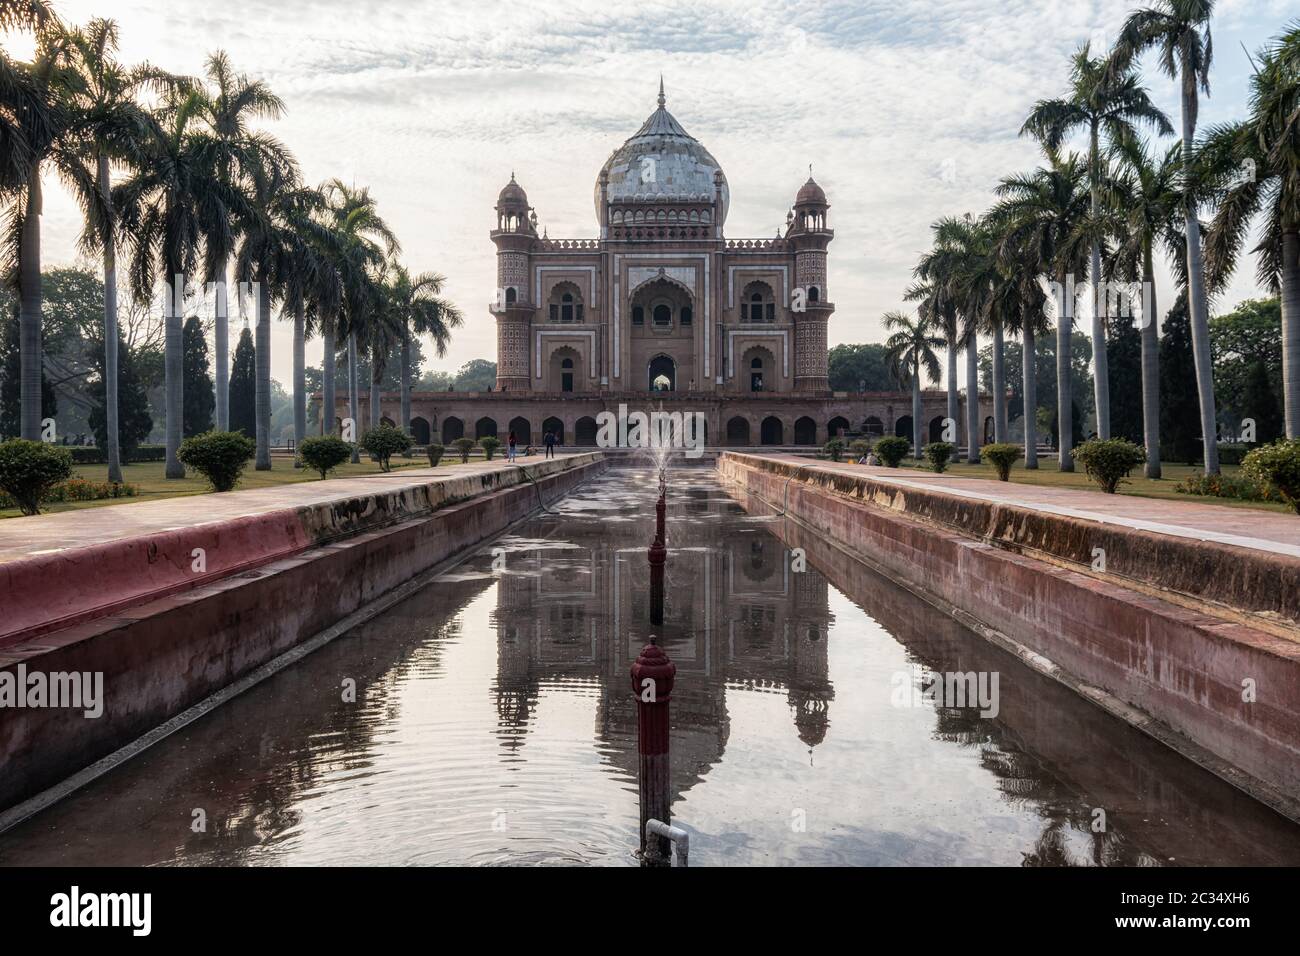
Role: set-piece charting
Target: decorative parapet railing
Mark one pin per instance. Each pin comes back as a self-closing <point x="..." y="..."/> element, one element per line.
<point x="776" y="245"/>
<point x="553" y="244"/>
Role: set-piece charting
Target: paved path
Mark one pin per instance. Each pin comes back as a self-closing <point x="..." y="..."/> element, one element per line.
<point x="1262" y="530"/>
<point x="47" y="534"/>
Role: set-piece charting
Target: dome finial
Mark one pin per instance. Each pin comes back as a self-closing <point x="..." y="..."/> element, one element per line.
<point x="661" y="91"/>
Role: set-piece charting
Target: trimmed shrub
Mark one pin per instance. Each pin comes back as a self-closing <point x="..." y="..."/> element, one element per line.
<point x="1109" y="462"/>
<point x="1002" y="455"/>
<point x="1278" y="466"/>
<point x="834" y="448"/>
<point x="92" y="455"/>
<point x="939" y="453"/>
<point x="1239" y="487"/>
<point x="219" y="457"/>
<point x="79" y="489"/>
<point x="29" y="469"/>
<point x="859" y="448"/>
<point x="489" y="444"/>
<point x="464" y="446"/>
<point x="385" y="441"/>
<point x="324" y="453"/>
<point x="435" y="453"/>
<point x="892" y="450"/>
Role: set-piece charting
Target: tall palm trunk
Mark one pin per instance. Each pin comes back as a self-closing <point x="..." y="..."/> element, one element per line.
<point x="221" y="334"/>
<point x="376" y="377"/>
<point x="1064" y="396"/>
<point x="353" y="411"/>
<point x="405" y="423"/>
<point x="262" y="402"/>
<point x="972" y="400"/>
<point x="916" y="408"/>
<point x="112" y="450"/>
<point x="29" y="311"/>
<point x="1291" y="328"/>
<point x="1029" y="369"/>
<point x="1197" y="304"/>
<point x="954" y="410"/>
<point x="327" y="410"/>
<point x="999" y="385"/>
<point x="299" y="379"/>
<point x="1150" y="367"/>
<point x="173" y="370"/>
<point x="1100" y="360"/>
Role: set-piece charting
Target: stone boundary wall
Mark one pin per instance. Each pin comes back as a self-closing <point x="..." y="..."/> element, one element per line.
<point x="163" y="656"/>
<point x="1182" y="667"/>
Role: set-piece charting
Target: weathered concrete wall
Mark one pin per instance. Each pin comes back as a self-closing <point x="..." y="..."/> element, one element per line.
<point x="1181" y="665"/>
<point x="47" y="592"/>
<point x="160" y="657"/>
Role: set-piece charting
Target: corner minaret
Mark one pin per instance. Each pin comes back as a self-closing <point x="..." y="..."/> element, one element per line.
<point x="514" y="237"/>
<point x="808" y="232"/>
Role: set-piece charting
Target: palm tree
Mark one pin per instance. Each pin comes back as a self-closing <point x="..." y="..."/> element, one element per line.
<point x="1101" y="100"/>
<point x="1018" y="301"/>
<point x="418" y="308"/>
<point x="172" y="201"/>
<point x="1181" y="31"/>
<point x="1267" y="144"/>
<point x="34" y="132"/>
<point x="361" y="245"/>
<point x="909" y="351"/>
<point x="1147" y="196"/>
<point x="933" y="304"/>
<point x="232" y="104"/>
<point x="1041" y="216"/>
<point x="108" y="125"/>
<point x="958" y="244"/>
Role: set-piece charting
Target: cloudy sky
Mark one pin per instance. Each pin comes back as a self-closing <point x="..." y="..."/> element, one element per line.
<point x="907" y="109"/>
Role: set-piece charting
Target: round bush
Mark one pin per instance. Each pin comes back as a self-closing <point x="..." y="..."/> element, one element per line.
<point x="1278" y="466"/>
<point x="435" y="453"/>
<point x="29" y="469"/>
<point x="219" y="457"/>
<point x="464" y="446"/>
<point x="1002" y="455"/>
<point x="489" y="445"/>
<point x="892" y="450"/>
<point x="324" y="453"/>
<point x="384" y="442"/>
<point x="939" y="453"/>
<point x="1109" y="462"/>
<point x="834" y="448"/>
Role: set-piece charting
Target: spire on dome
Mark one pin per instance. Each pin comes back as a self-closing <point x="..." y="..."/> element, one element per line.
<point x="661" y="91"/>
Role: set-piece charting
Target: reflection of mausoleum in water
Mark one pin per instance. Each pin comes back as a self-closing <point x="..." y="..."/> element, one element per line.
<point x="736" y="615"/>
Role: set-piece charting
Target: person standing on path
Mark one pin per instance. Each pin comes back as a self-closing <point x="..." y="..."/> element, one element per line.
<point x="511" y="447"/>
<point x="550" y="444"/>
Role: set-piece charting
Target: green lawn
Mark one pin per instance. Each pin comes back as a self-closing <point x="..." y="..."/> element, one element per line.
<point x="148" y="478"/>
<point x="1048" y="474"/>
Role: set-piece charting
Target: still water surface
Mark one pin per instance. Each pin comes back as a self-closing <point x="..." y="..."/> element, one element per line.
<point x="494" y="724"/>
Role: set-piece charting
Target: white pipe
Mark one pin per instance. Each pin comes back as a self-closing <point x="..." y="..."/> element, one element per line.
<point x="680" y="839"/>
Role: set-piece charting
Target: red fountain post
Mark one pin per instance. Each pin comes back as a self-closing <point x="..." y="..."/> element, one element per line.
<point x="657" y="554"/>
<point x="652" y="682"/>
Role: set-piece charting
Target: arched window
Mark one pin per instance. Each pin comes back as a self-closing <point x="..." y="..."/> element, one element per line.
<point x="756" y="307"/>
<point x="567" y="363"/>
<point x="638" y="315"/>
<point x="757" y="363"/>
<point x="511" y="295"/>
<point x="758" y="303"/>
<point x="565" y="304"/>
<point x="663" y="316"/>
<point x="687" y="315"/>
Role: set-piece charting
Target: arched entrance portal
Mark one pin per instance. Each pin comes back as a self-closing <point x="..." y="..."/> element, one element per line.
<point x="523" y="431"/>
<point x="584" y="431"/>
<point x="420" y="431"/>
<point x="452" y="428"/>
<point x="663" y="374"/>
<point x="737" y="431"/>
<point x="772" y="432"/>
<point x="805" y="431"/>
<point x="556" y="428"/>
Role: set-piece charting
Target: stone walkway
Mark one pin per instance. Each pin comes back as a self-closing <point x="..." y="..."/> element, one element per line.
<point x="1242" y="527"/>
<point x="47" y="534"/>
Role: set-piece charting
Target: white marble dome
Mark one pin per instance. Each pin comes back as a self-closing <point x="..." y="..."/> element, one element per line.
<point x="662" y="162"/>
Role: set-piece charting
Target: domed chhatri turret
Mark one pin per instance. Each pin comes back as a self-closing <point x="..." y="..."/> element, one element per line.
<point x="513" y="209"/>
<point x="661" y="162"/>
<point x="811" y="194"/>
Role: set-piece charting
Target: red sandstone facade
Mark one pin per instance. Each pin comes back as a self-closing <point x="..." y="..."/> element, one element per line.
<point x="662" y="308"/>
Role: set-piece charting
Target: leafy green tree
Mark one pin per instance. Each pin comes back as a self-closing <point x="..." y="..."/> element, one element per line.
<point x="1125" y="369"/>
<point x="1248" y="337"/>
<point x="134" y="422"/>
<point x="911" y="352"/>
<point x="476" y="375"/>
<point x="1259" y="401"/>
<point x="853" y="368"/>
<point x="243" y="386"/>
<point x="1179" y="409"/>
<point x="199" y="397"/>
